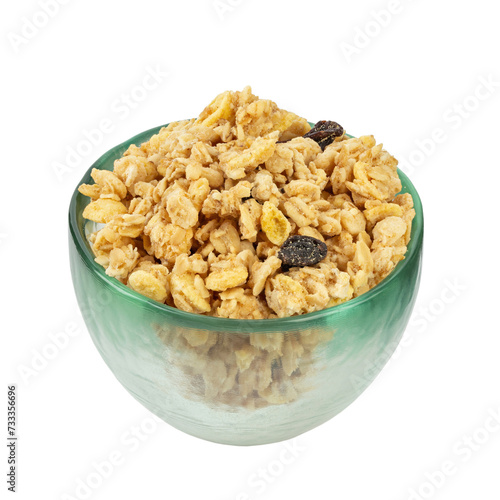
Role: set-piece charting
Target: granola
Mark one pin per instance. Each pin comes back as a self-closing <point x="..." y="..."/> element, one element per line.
<point x="199" y="217"/>
<point x="248" y="371"/>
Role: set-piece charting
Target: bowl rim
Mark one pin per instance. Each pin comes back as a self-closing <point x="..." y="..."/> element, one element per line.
<point x="84" y="251"/>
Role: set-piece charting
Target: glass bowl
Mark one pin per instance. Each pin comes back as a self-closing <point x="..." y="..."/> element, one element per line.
<point x="240" y="382"/>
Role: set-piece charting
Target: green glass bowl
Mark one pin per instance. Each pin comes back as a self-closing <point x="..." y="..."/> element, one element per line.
<point x="191" y="370"/>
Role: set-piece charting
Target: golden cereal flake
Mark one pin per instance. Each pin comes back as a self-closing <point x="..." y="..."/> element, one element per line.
<point x="181" y="209"/>
<point x="263" y="116"/>
<point x="198" y="191"/>
<point x="247" y="257"/>
<point x="93" y="191"/>
<point x="306" y="150"/>
<point x="304" y="189"/>
<point x="375" y="176"/>
<point x="202" y="234"/>
<point x="133" y="169"/>
<point x="103" y="210"/>
<point x="231" y="199"/>
<point x="329" y="222"/>
<point x="388" y="231"/>
<point x="239" y="303"/>
<point x="339" y="159"/>
<point x="189" y="293"/>
<point x="159" y="271"/>
<point x="196" y="338"/>
<point x="135" y="151"/>
<point x="281" y="161"/>
<point x="146" y="284"/>
<point x="226" y="273"/>
<point x="221" y="108"/>
<point x="131" y="225"/>
<point x="405" y="201"/>
<point x="341" y="249"/>
<point x="384" y="261"/>
<point x="110" y="185"/>
<point x="274" y="224"/>
<point x="270" y="342"/>
<point x="264" y="188"/>
<point x="202" y="153"/>
<point x="261" y="271"/>
<point x="178" y="145"/>
<point x="226" y="239"/>
<point x="352" y="219"/>
<point x="312" y="280"/>
<point x="144" y="189"/>
<point x="245" y="356"/>
<point x="360" y="269"/>
<point x="211" y="173"/>
<point x="337" y="282"/>
<point x="104" y="240"/>
<point x="168" y="241"/>
<point x="239" y="160"/>
<point x="300" y="212"/>
<point x="122" y="261"/>
<point x="212" y="205"/>
<point x="285" y="296"/>
<point x="375" y="211"/>
<point x="192" y="264"/>
<point x="249" y="221"/>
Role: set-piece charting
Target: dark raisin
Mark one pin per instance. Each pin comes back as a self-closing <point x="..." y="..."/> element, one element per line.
<point x="300" y="251"/>
<point x="325" y="132"/>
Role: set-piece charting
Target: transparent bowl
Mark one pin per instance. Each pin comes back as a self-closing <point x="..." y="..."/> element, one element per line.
<point x="240" y="382"/>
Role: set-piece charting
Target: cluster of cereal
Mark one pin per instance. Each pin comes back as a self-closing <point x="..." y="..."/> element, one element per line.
<point x="243" y="370"/>
<point x="195" y="217"/>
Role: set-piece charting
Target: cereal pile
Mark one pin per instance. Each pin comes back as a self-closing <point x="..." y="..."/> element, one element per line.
<point x="246" y="212"/>
<point x="249" y="371"/>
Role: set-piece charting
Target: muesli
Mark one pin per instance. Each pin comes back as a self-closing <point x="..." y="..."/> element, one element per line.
<point x="247" y="212"/>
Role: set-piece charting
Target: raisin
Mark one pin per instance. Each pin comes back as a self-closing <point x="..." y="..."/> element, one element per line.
<point x="325" y="132"/>
<point x="300" y="251"/>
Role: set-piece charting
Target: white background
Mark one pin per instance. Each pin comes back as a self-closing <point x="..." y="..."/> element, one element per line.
<point x="414" y="82"/>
